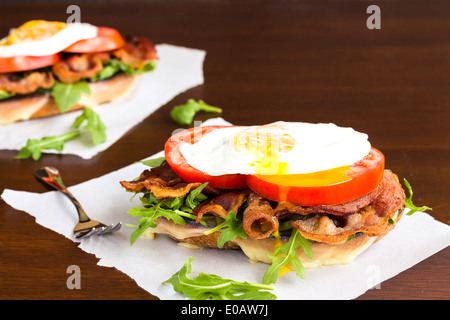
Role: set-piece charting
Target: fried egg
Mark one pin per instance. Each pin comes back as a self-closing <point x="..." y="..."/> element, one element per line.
<point x="276" y="149"/>
<point x="42" y="38"/>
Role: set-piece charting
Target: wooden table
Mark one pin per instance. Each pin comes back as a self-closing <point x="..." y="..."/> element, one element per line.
<point x="313" y="61"/>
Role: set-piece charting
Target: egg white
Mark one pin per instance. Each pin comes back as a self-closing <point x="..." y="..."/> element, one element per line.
<point x="317" y="147"/>
<point x="54" y="44"/>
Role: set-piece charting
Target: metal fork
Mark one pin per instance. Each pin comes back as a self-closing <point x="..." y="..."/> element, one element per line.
<point x="85" y="227"/>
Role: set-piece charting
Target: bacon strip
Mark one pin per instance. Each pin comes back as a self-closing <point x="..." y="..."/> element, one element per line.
<point x="259" y="220"/>
<point x="369" y="214"/>
<point x="164" y="183"/>
<point x="28" y="84"/>
<point x="79" y="66"/>
<point x="136" y="52"/>
<point x="371" y="220"/>
<point x="285" y="208"/>
<point x="220" y="206"/>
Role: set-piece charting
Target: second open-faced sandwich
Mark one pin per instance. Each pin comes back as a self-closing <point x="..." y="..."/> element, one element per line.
<point x="51" y="67"/>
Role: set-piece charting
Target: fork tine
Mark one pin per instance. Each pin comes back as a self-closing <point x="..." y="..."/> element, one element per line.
<point x="116" y="227"/>
<point x="99" y="231"/>
<point x="104" y="230"/>
<point x="92" y="232"/>
<point x="79" y="235"/>
<point x="88" y="234"/>
<point x="84" y="233"/>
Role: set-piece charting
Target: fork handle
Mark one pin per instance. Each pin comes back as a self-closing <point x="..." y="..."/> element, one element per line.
<point x="51" y="177"/>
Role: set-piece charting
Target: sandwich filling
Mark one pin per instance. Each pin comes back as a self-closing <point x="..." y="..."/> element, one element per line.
<point x="262" y="218"/>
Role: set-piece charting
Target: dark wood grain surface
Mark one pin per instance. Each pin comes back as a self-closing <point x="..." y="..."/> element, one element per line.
<point x="313" y="61"/>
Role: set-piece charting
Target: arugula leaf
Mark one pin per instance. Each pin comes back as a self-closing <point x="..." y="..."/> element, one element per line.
<point x="5" y="94"/>
<point x="234" y="228"/>
<point x="184" y="114"/>
<point x="170" y="208"/>
<point x="34" y="147"/>
<point x="287" y="253"/>
<point x="149" y="215"/>
<point x="153" y="163"/>
<point x="195" y="196"/>
<point x="109" y="69"/>
<point x="67" y="95"/>
<point x="94" y="125"/>
<point x="112" y="66"/>
<point x="394" y="217"/>
<point x="408" y="202"/>
<point x="210" y="286"/>
<point x="129" y="70"/>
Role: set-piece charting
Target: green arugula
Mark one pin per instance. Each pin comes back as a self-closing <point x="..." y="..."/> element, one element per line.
<point x="148" y="219"/>
<point x="196" y="196"/>
<point x="94" y="125"/>
<point x="67" y="95"/>
<point x="287" y="253"/>
<point x="210" y="286"/>
<point x="232" y="228"/>
<point x="153" y="163"/>
<point x="5" y="94"/>
<point x="34" y="147"/>
<point x="394" y="217"/>
<point x="408" y="202"/>
<point x="184" y="114"/>
<point x="112" y="66"/>
<point x="175" y="209"/>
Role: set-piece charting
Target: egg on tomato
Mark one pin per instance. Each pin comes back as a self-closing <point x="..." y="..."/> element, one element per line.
<point x="303" y="163"/>
<point x="277" y="148"/>
<point x="43" y="38"/>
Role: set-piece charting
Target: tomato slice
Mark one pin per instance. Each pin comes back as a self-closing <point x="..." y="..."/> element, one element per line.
<point x="25" y="63"/>
<point x="328" y="187"/>
<point x="190" y="174"/>
<point x="107" y="39"/>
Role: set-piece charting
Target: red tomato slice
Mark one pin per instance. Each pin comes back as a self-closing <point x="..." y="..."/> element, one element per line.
<point x="107" y="39"/>
<point x="25" y="63"/>
<point x="188" y="173"/>
<point x="313" y="189"/>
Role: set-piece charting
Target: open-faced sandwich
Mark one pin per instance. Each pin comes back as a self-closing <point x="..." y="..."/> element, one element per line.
<point x="290" y="194"/>
<point x="51" y="67"/>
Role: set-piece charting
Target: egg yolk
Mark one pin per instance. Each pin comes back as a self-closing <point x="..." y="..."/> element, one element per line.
<point x="264" y="143"/>
<point x="314" y="179"/>
<point x="35" y="30"/>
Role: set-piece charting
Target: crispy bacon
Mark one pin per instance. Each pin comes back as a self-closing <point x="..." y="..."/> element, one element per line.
<point x="259" y="220"/>
<point x="136" y="52"/>
<point x="285" y="208"/>
<point x="369" y="214"/>
<point x="222" y="204"/>
<point x="79" y="66"/>
<point x="28" y="84"/>
<point x="371" y="220"/>
<point x="164" y="183"/>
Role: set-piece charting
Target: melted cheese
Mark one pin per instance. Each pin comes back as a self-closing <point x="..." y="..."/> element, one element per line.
<point x="324" y="254"/>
